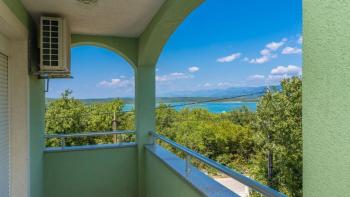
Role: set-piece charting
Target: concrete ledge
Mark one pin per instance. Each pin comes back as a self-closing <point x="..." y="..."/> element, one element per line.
<point x="90" y="147"/>
<point x="197" y="179"/>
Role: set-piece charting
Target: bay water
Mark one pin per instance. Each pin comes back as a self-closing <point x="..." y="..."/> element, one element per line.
<point x="214" y="107"/>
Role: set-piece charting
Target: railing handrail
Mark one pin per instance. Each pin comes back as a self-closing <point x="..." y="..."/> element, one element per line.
<point x="263" y="189"/>
<point x="88" y="134"/>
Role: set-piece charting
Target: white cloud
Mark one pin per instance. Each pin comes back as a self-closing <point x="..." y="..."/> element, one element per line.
<point x="289" y="70"/>
<point x="219" y="85"/>
<point x="265" y="52"/>
<point x="116" y="83"/>
<point x="173" y="76"/>
<point x="276" y="75"/>
<point x="193" y="69"/>
<point x="283" y="72"/>
<point x="291" y="50"/>
<point x="229" y="58"/>
<point x="276" y="45"/>
<point x="256" y="77"/>
<point x="260" y="60"/>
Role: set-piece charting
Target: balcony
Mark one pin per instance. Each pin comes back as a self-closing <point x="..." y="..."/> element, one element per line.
<point x="112" y="170"/>
<point x="138" y="33"/>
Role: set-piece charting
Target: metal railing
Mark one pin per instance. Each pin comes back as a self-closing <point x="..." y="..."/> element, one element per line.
<point x="263" y="189"/>
<point x="63" y="137"/>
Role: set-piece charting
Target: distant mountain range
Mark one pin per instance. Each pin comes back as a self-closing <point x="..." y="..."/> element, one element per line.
<point x="235" y="93"/>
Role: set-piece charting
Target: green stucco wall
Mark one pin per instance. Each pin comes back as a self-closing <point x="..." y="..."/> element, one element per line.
<point x="19" y="10"/>
<point x="126" y="47"/>
<point x="326" y="93"/>
<point x="162" y="181"/>
<point x="36" y="136"/>
<point x="36" y="106"/>
<point x="91" y="173"/>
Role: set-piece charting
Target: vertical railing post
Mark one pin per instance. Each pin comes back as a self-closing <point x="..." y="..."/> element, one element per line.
<point x="114" y="127"/>
<point x="188" y="164"/>
<point x="153" y="138"/>
<point x="63" y="142"/>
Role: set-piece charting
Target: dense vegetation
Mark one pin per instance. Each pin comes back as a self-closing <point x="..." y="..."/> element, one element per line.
<point x="265" y="145"/>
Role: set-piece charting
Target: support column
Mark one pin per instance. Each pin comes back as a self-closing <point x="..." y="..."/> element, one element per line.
<point x="326" y="93"/>
<point x="145" y="115"/>
<point x="150" y="44"/>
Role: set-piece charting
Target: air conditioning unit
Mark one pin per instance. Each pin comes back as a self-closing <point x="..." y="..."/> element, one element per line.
<point x="54" y="47"/>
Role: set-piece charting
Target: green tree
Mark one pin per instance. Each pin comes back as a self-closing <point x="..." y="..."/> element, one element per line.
<point x="217" y="138"/>
<point x="65" y="115"/>
<point x="165" y="119"/>
<point x="101" y="115"/>
<point x="68" y="115"/>
<point x="278" y="161"/>
<point x="241" y="116"/>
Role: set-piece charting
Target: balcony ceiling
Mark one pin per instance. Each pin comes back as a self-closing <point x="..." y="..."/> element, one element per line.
<point x="124" y="18"/>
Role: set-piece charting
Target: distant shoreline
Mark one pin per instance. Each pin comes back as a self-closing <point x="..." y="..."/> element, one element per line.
<point x="162" y="100"/>
<point x="214" y="107"/>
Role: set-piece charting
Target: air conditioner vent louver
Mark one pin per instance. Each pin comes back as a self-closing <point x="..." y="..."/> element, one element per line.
<point x="50" y="42"/>
<point x="54" y="47"/>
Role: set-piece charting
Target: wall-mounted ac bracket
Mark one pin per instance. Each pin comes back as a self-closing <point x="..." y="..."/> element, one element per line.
<point x="52" y="75"/>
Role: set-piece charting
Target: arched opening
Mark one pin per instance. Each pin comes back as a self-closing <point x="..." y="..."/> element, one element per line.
<point x="227" y="85"/>
<point x="99" y="98"/>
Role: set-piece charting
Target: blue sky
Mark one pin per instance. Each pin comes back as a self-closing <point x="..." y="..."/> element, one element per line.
<point x="222" y="44"/>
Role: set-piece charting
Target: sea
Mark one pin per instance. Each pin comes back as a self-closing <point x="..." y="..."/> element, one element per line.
<point x="214" y="107"/>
